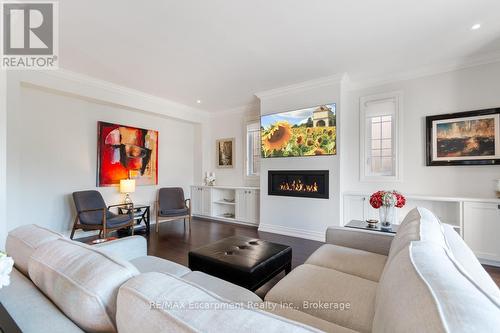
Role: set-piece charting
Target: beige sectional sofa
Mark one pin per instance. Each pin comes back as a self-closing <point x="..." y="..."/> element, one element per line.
<point x="425" y="279"/>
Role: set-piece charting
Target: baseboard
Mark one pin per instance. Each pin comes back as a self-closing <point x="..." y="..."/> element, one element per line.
<point x="293" y="232"/>
<point x="489" y="262"/>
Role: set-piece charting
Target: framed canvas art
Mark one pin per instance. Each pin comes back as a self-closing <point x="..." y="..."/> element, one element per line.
<point x="126" y="152"/>
<point x="225" y="153"/>
<point x="465" y="138"/>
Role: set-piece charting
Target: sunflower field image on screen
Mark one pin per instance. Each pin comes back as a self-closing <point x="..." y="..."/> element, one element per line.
<point x="304" y="132"/>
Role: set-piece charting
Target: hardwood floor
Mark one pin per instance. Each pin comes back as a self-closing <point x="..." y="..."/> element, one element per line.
<point x="173" y="243"/>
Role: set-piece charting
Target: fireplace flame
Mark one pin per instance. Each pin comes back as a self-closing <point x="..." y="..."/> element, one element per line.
<point x="298" y="186"/>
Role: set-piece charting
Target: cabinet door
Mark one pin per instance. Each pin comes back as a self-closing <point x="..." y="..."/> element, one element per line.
<point x="241" y="205"/>
<point x="252" y="206"/>
<point x="481" y="229"/>
<point x="196" y="200"/>
<point x="206" y="206"/>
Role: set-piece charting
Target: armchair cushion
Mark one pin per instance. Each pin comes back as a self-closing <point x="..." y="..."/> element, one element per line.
<point x="117" y="220"/>
<point x="87" y="200"/>
<point x="171" y="198"/>
<point x="173" y="212"/>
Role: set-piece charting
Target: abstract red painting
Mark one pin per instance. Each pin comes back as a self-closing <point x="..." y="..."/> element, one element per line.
<point x="126" y="152"/>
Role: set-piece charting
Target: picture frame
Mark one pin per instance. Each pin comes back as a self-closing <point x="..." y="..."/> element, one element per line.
<point x="463" y="138"/>
<point x="225" y="153"/>
<point x="126" y="152"/>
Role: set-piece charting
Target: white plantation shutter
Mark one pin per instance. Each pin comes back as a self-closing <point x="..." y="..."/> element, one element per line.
<point x="380" y="115"/>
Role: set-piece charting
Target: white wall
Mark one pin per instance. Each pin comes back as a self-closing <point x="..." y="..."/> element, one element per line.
<point x="51" y="150"/>
<point x="301" y="217"/>
<point x="230" y="124"/>
<point x="463" y="90"/>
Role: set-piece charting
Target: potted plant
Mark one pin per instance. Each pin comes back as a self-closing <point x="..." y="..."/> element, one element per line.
<point x="386" y="202"/>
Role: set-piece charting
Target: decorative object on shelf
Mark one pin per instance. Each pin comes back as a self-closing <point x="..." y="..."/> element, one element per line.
<point x="386" y="202"/>
<point x="228" y="200"/>
<point x="371" y="223"/>
<point x="127" y="186"/>
<point x="126" y="152"/>
<point x="465" y="138"/>
<point x="497" y="187"/>
<point x="228" y="215"/>
<point x="305" y="132"/>
<point x="210" y="179"/>
<point x="6" y="264"/>
<point x="225" y="153"/>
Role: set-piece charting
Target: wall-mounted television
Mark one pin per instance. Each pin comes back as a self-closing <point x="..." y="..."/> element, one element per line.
<point x="304" y="132"/>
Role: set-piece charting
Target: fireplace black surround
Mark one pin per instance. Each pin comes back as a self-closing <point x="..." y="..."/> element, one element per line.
<point x="298" y="183"/>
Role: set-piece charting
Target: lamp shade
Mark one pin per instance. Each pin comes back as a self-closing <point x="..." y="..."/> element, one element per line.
<point x="127" y="186"/>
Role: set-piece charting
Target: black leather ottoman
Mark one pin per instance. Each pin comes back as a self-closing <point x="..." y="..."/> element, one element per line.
<point x="247" y="262"/>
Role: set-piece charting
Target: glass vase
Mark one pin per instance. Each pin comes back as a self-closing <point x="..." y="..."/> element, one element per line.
<point x="386" y="215"/>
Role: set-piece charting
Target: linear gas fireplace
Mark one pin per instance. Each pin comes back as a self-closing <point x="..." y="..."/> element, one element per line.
<point x="303" y="183"/>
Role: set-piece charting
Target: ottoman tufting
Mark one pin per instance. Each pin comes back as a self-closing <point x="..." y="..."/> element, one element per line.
<point x="247" y="262"/>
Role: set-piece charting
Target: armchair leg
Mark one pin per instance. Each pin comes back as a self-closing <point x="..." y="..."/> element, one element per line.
<point x="190" y="218"/>
<point x="157" y="225"/>
<point x="74" y="228"/>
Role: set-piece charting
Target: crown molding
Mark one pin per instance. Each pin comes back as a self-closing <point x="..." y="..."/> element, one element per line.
<point x="240" y="110"/>
<point x="302" y="86"/>
<point x="88" y="87"/>
<point x="363" y="82"/>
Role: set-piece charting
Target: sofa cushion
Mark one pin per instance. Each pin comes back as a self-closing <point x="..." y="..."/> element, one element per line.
<point x="433" y="295"/>
<point x="420" y="224"/>
<point x="22" y="242"/>
<point x="31" y="310"/>
<point x="471" y="266"/>
<point x="222" y="288"/>
<point x="82" y="281"/>
<point x="337" y="297"/>
<point x="146" y="264"/>
<point x="302" y="317"/>
<point x="364" y="264"/>
<point x="172" y="304"/>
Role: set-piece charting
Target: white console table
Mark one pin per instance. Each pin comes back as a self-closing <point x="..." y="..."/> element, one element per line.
<point x="477" y="220"/>
<point x="233" y="204"/>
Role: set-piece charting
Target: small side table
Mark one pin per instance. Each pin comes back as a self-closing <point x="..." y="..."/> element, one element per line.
<point x="378" y="227"/>
<point x="141" y="214"/>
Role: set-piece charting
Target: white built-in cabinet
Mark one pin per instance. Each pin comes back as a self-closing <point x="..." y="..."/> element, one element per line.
<point x="228" y="204"/>
<point x="476" y="220"/>
<point x="482" y="229"/>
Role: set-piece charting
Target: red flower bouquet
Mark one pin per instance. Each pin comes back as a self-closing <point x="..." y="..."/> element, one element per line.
<point x="385" y="201"/>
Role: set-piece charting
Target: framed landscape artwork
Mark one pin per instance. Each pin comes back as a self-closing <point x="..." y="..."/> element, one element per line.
<point x="126" y="152"/>
<point x="225" y="153"/>
<point x="305" y="132"/>
<point x="465" y="138"/>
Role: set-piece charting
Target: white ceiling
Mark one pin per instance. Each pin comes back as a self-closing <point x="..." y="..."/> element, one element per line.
<point x="223" y="51"/>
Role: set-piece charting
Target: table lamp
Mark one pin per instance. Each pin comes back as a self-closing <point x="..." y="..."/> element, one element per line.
<point x="127" y="186"/>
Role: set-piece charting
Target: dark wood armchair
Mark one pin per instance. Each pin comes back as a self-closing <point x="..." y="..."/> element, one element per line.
<point x="93" y="214"/>
<point x="172" y="206"/>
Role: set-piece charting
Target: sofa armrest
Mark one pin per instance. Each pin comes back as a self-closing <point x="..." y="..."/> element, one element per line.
<point x="126" y="248"/>
<point x="366" y="240"/>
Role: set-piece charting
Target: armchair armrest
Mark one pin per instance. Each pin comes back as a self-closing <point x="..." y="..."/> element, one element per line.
<point x="366" y="240"/>
<point x="126" y="248"/>
<point x="187" y="203"/>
